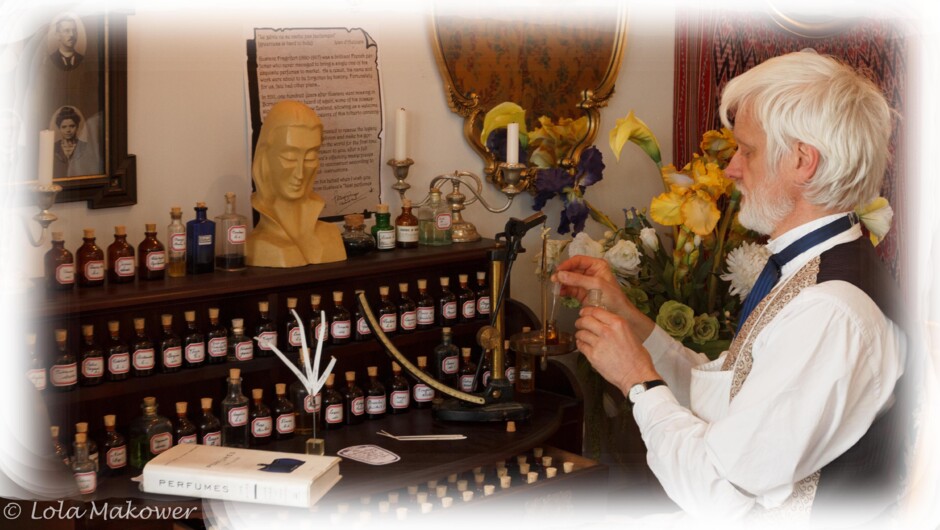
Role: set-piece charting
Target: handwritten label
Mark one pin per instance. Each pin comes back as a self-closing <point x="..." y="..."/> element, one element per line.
<point x="388" y="323"/>
<point x="244" y="351"/>
<point x="449" y="310"/>
<point x="94" y="270"/>
<point x="409" y="320"/>
<point x="262" y="427"/>
<point x="195" y="352"/>
<point x="285" y="423"/>
<point x="340" y="329"/>
<point x="178" y="242"/>
<point x="160" y="442"/>
<point x="93" y="367"/>
<point x="400" y="399"/>
<point x="119" y="363"/>
<point x="238" y="416"/>
<point x="218" y="347"/>
<point x="63" y="374"/>
<point x="116" y="458"/>
<point x="293" y="337"/>
<point x="212" y="438"/>
<point x="124" y="266"/>
<point x="423" y="393"/>
<point x="266" y="340"/>
<point x="237" y="234"/>
<point x="425" y="315"/>
<point x="334" y="414"/>
<point x="144" y="359"/>
<point x="65" y="274"/>
<point x="449" y="365"/>
<point x="189" y="439"/>
<point x="442" y="221"/>
<point x="37" y="377"/>
<point x="483" y="305"/>
<point x="469" y="309"/>
<point x="375" y="405"/>
<point x="172" y="357"/>
<point x="156" y="260"/>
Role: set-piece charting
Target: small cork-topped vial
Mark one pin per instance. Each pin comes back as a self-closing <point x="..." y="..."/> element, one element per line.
<point x="355" y="239"/>
<point x="234" y="373"/>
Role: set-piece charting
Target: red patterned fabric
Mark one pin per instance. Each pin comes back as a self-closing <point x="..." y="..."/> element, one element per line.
<point x="714" y="46"/>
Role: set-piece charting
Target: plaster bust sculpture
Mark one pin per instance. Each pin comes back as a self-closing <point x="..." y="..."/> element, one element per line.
<point x="285" y="165"/>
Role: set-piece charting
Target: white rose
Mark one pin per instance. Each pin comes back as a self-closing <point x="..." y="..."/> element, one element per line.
<point x="649" y="239"/>
<point x="624" y="258"/>
<point x="583" y="245"/>
<point x="553" y="250"/>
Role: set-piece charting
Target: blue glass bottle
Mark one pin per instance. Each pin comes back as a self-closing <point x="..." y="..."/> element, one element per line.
<point x="200" y="242"/>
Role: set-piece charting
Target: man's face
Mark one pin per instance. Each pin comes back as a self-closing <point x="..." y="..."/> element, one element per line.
<point x="68" y="128"/>
<point x="293" y="158"/>
<point x="67" y="31"/>
<point x="766" y="197"/>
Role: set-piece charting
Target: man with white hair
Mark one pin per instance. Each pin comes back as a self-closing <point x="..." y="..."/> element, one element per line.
<point x="788" y="409"/>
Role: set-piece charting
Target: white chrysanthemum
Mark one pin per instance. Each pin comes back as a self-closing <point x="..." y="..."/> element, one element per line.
<point x="624" y="258"/>
<point x="744" y="266"/>
<point x="583" y="245"/>
<point x="649" y="239"/>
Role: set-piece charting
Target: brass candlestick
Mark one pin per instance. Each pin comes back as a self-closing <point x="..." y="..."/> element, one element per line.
<point x="44" y="199"/>
<point x="400" y="170"/>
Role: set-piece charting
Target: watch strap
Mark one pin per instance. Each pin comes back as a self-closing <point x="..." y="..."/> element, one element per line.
<point x="639" y="388"/>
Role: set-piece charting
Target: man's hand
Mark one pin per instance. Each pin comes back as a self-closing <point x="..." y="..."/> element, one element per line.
<point x="614" y="351"/>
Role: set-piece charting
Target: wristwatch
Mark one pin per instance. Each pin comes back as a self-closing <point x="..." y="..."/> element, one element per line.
<point x="639" y="388"/>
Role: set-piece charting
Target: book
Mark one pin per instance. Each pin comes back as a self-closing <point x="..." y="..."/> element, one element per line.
<point x="243" y="475"/>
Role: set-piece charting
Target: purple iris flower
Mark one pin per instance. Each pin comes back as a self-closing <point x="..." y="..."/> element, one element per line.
<point x="556" y="181"/>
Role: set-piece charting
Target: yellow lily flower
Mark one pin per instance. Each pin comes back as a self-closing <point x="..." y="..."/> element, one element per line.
<point x="666" y="208"/>
<point x="876" y="216"/>
<point x="634" y="130"/>
<point x="500" y="116"/>
<point x="700" y="213"/>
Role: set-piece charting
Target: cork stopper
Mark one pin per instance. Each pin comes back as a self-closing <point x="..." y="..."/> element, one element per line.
<point x="88" y="233"/>
<point x="256" y="393"/>
<point x="200" y="205"/>
<point x="138" y="324"/>
<point x="383" y="290"/>
<point x="61" y="335"/>
<point x="109" y="420"/>
<point x="206" y="403"/>
<point x="150" y="401"/>
<point x="395" y="367"/>
<point x="190" y="316"/>
<point x="526" y="329"/>
<point x="81" y="438"/>
<point x="373" y="371"/>
<point x="403" y="287"/>
<point x="422" y="362"/>
<point x="481" y="275"/>
<point x="166" y="320"/>
<point x="88" y="330"/>
<point x="120" y="230"/>
<point x="150" y="227"/>
<point x="238" y="323"/>
<point x="54" y="431"/>
<point x="354" y="219"/>
<point x="510" y="426"/>
<point x="280" y="388"/>
<point x="445" y="330"/>
<point x="181" y="407"/>
<point x="330" y="378"/>
<point x="465" y="353"/>
<point x="337" y="296"/>
<point x="58" y="236"/>
<point x="350" y="376"/>
<point x="30" y="339"/>
<point x="445" y="281"/>
<point x="263" y="306"/>
<point x="422" y="284"/>
<point x="291" y="302"/>
<point x="462" y="278"/>
<point x="234" y="373"/>
<point x="114" y="326"/>
<point x="381" y="208"/>
<point x="176" y="211"/>
<point x="314" y="299"/>
<point x="213" y="312"/>
<point x="81" y="426"/>
<point x="229" y="196"/>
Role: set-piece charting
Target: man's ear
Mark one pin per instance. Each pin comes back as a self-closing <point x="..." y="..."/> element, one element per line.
<point x="807" y="161"/>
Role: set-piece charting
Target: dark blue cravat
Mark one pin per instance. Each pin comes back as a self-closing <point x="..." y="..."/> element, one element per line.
<point x="770" y="275"/>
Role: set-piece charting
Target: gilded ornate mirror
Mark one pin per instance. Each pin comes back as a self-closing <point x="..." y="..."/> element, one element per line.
<point x="557" y="60"/>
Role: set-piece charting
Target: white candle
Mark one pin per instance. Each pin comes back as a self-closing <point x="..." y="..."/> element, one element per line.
<point x="512" y="143"/>
<point x="46" y="148"/>
<point x="400" y="134"/>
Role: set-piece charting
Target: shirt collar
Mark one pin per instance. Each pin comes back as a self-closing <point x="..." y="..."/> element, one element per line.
<point x="780" y="243"/>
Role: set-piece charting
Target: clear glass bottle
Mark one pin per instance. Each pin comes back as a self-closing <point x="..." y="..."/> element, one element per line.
<point x="82" y="428"/>
<point x="121" y="266"/>
<point x="240" y="347"/>
<point x="388" y="312"/>
<point x="151" y="255"/>
<point x="468" y="371"/>
<point x="318" y="327"/>
<point x="434" y="221"/>
<point x="184" y="432"/>
<point x="216" y="338"/>
<point x="399" y="392"/>
<point x="355" y="409"/>
<point x="90" y="260"/>
<point x="176" y="239"/>
<point x="119" y="357"/>
<point x="362" y="331"/>
<point x="59" y="265"/>
<point x="340" y="321"/>
<point x="407" y="310"/>
<point x="306" y="407"/>
<point x="466" y="301"/>
<point x="58" y="447"/>
<point x="209" y="429"/>
<point x="333" y="405"/>
<point x="170" y="346"/>
<point x="143" y="358"/>
<point x="284" y="417"/>
<point x="200" y="242"/>
<point x="235" y="412"/>
<point x="422" y="394"/>
<point x="261" y="424"/>
<point x="230" y="236"/>
<point x="114" y="447"/>
<point x="292" y="334"/>
<point x="406" y="227"/>
<point x="150" y="434"/>
<point x="92" y="358"/>
<point x="63" y="373"/>
<point x="446" y="359"/>
<point x="375" y="395"/>
<point x="426" y="312"/>
<point x="382" y="230"/>
<point x="194" y="343"/>
<point x="266" y="330"/>
<point x="447" y="304"/>
<point x="482" y="296"/>
<point x="355" y="239"/>
<point x="37" y="373"/>
<point x="82" y="468"/>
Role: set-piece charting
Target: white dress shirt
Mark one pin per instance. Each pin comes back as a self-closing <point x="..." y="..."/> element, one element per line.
<point x="823" y="369"/>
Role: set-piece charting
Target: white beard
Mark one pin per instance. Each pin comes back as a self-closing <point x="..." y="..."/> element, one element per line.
<point x="761" y="211"/>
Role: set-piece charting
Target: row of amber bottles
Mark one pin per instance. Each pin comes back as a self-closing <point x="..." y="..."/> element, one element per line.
<point x="90" y="265"/>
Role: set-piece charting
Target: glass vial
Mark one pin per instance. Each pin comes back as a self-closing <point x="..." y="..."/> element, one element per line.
<point x="446" y="360"/>
<point x="406" y="227"/>
<point x="292" y="333"/>
<point x="59" y="265"/>
<point x="382" y="230"/>
<point x="421" y="393"/>
<point x="194" y="343"/>
<point x="114" y="447"/>
<point x="171" y="348"/>
<point x="150" y="434"/>
<point x="82" y="468"/>
<point x="341" y="321"/>
<point x="447" y="304"/>
<point x="200" y="242"/>
<point x="235" y="412"/>
<point x="119" y="357"/>
<point x="407" y="310"/>
<point x="90" y="259"/>
<point x="375" y="395"/>
<point x="37" y="373"/>
<point x="184" y="432"/>
<point x="355" y="239"/>
<point x="483" y="296"/>
<point x="121" y="266"/>
<point x="426" y="312"/>
<point x="230" y="236"/>
<point x="265" y="330"/>
<point x="176" y="239"/>
<point x="333" y="405"/>
<point x="284" y="417"/>
<point x="468" y="371"/>
<point x="216" y="338"/>
<point x="362" y="331"/>
<point x="399" y="392"/>
<point x="63" y="373"/>
<point x="319" y="328"/>
<point x="466" y="300"/>
<point x="92" y="358"/>
<point x="82" y="427"/>
<point x="355" y="400"/>
<point x="143" y="359"/>
<point x="388" y="312"/>
<point x="151" y="255"/>
<point x="240" y="347"/>
<point x="261" y="422"/>
<point x="209" y="429"/>
<point x="434" y="221"/>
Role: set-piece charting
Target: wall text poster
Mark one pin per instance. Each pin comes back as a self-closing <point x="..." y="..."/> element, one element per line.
<point x="335" y="72"/>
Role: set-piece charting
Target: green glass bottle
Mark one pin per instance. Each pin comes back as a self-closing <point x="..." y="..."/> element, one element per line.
<point x="383" y="231"/>
<point x="151" y="434"/>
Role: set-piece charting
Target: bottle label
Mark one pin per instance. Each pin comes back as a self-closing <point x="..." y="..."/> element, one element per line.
<point x="511" y="374"/>
<point x="399" y="399"/>
<point x="212" y="438"/>
<point x="237" y="234"/>
<point x="409" y="320"/>
<point x="116" y="458"/>
<point x="124" y="267"/>
<point x="358" y="406"/>
<point x="362" y="327"/>
<point x="119" y="363"/>
<point x="486" y="377"/>
<point x="143" y="359"/>
<point x="65" y="274"/>
<point x="483" y="305"/>
<point x="388" y="322"/>
<point x="334" y="414"/>
<point x="449" y="310"/>
<point x="466" y="383"/>
<point x="450" y="364"/>
<point x="238" y="416"/>
<point x="195" y="352"/>
<point x="385" y="239"/>
<point x="156" y="260"/>
<point x="406" y="234"/>
<point x="93" y="367"/>
<point x="191" y="439"/>
<point x="244" y="351"/>
<point x="469" y="309"/>
<point x="87" y="482"/>
<point x="525" y="375"/>
<point x="178" y="242"/>
<point x="442" y="221"/>
<point x="218" y="346"/>
<point x="266" y="340"/>
<point x="173" y="357"/>
<point x="312" y="404"/>
<point x="322" y="332"/>
<point x="340" y="329"/>
<point x="285" y="423"/>
<point x="37" y="377"/>
<point x="63" y="374"/>
<point x="262" y="427"/>
<point x="294" y="336"/>
<point x="423" y="393"/>
<point x="204" y="240"/>
<point x="94" y="270"/>
<point x="160" y="442"/>
<point x="375" y="404"/>
<point x="425" y="315"/>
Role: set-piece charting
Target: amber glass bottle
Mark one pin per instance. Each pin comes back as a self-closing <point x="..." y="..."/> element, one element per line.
<point x="209" y="428"/>
<point x="119" y="357"/>
<point x="483" y="296"/>
<point x="120" y="258"/>
<point x="399" y="393"/>
<point x="422" y="393"/>
<point x="361" y="332"/>
<point x="63" y="373"/>
<point x="406" y="227"/>
<point x="425" y="312"/>
<point x="114" y="447"/>
<point x="318" y="328"/>
<point x="171" y="348"/>
<point x="261" y="425"/>
<point x="340" y="321"/>
<point x="291" y="338"/>
<point x="333" y="405"/>
<point x="388" y="312"/>
<point x="468" y="371"/>
<point x="447" y="304"/>
<point x="284" y="418"/>
<point x="151" y="255"/>
<point x="466" y="300"/>
<point x="216" y="338"/>
<point x="59" y="265"/>
<point x="92" y="358"/>
<point x="184" y="431"/>
<point x="375" y="395"/>
<point x="407" y="310"/>
<point x="266" y="330"/>
<point x="355" y="408"/>
<point x="194" y="343"/>
<point x="90" y="259"/>
<point x="143" y="359"/>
